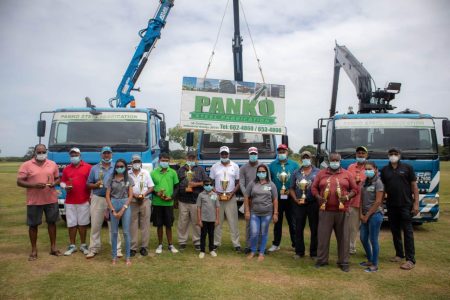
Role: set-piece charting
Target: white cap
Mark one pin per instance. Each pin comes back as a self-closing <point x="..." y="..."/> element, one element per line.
<point x="75" y="149"/>
<point x="224" y="149"/>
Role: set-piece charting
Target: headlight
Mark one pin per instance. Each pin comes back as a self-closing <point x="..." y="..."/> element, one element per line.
<point x="433" y="201"/>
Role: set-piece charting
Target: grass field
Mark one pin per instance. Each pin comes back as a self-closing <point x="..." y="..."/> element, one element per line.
<point x="229" y="275"/>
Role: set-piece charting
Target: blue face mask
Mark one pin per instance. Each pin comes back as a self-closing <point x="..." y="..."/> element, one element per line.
<point x="208" y="188"/>
<point x="190" y="163"/>
<point x="306" y="162"/>
<point x="75" y="160"/>
<point x="360" y="159"/>
<point x="224" y="160"/>
<point x="261" y="175"/>
<point x="335" y="165"/>
<point x="253" y="158"/>
<point x="370" y="173"/>
<point x="282" y="156"/>
<point x="164" y="164"/>
<point x="120" y="170"/>
<point x="107" y="161"/>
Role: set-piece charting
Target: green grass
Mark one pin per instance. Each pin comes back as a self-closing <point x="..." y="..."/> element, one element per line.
<point x="228" y="276"/>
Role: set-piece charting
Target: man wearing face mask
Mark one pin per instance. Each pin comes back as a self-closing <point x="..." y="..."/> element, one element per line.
<point x="333" y="188"/>
<point x="305" y="207"/>
<point x="73" y="180"/>
<point x="357" y="169"/>
<point x="140" y="206"/>
<point x="247" y="174"/>
<point x="285" y="204"/>
<point x="191" y="177"/>
<point x="39" y="176"/>
<point x="98" y="176"/>
<point x="402" y="203"/>
<point x="226" y="170"/>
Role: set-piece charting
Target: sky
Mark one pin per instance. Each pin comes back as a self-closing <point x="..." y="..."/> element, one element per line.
<point x="55" y="53"/>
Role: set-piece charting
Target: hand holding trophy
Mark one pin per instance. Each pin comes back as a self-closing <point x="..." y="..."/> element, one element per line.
<point x="224" y="184"/>
<point x="189" y="177"/>
<point x="100" y="179"/>
<point x="302" y="185"/>
<point x="141" y="196"/>
<point x="339" y="195"/>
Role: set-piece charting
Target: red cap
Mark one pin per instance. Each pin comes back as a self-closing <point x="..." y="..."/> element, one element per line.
<point x="282" y="147"/>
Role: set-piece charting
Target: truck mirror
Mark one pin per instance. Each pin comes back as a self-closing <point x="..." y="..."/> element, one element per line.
<point x="162" y="129"/>
<point x="190" y="139"/>
<point x="164" y="146"/>
<point x="446" y="128"/>
<point x="285" y="140"/>
<point x="41" y="128"/>
<point x="317" y="136"/>
<point x="447" y="142"/>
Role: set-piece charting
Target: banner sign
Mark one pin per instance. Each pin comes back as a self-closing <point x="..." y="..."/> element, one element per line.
<point x="374" y="122"/>
<point x="234" y="106"/>
<point x="104" y="116"/>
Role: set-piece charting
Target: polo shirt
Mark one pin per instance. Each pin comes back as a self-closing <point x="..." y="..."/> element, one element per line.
<point x="357" y="170"/>
<point x="33" y="173"/>
<point x="164" y="181"/>
<point x="247" y="174"/>
<point x="199" y="176"/>
<point x="77" y="175"/>
<point x="397" y="184"/>
<point x="275" y="169"/>
<point x="262" y="197"/>
<point x="218" y="171"/>
<point x="94" y="176"/>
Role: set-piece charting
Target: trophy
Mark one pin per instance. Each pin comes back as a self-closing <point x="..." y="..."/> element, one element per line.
<point x="163" y="195"/>
<point x="140" y="197"/>
<point x="70" y="185"/>
<point x="224" y="184"/>
<point x="100" y="178"/>
<point x="302" y="185"/>
<point x="339" y="195"/>
<point x="326" y="193"/>
<point x="49" y="181"/>
<point x="189" y="177"/>
<point x="283" y="177"/>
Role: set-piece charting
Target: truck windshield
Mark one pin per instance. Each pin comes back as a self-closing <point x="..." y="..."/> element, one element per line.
<point x="409" y="135"/>
<point x="238" y="144"/>
<point x="124" y="131"/>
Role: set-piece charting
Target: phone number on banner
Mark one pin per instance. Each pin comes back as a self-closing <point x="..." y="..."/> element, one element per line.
<point x="251" y="128"/>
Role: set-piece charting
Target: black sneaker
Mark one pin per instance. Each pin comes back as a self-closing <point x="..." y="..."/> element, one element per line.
<point x="143" y="252"/>
<point x="132" y="253"/>
<point x="237" y="249"/>
<point x="247" y="250"/>
<point x="182" y="247"/>
<point x="320" y="265"/>
<point x="345" y="268"/>
<point x="197" y="247"/>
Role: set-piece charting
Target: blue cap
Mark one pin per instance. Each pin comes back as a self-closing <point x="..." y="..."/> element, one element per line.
<point x="106" y="149"/>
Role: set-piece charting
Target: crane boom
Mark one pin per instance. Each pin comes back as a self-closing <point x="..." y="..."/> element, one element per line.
<point x="149" y="37"/>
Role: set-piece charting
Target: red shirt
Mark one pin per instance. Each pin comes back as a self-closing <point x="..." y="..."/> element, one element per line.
<point x="77" y="177"/>
<point x="34" y="173"/>
<point x="358" y="172"/>
<point x="346" y="182"/>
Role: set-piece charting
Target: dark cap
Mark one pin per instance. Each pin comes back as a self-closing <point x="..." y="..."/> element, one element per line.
<point x="394" y="149"/>
<point x="282" y="147"/>
<point x="362" y="148"/>
<point x="191" y="154"/>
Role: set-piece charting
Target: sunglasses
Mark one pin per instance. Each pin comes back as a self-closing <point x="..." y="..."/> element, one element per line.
<point x="41" y="152"/>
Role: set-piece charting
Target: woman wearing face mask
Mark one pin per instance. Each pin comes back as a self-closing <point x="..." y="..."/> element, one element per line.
<point x="371" y="215"/>
<point x="261" y="206"/>
<point x="119" y="192"/>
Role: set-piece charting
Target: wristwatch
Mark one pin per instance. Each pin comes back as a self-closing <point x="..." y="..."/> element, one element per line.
<point x="126" y="206"/>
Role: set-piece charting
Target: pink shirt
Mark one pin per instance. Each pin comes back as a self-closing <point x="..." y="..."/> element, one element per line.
<point x="358" y="172"/>
<point x="33" y="173"/>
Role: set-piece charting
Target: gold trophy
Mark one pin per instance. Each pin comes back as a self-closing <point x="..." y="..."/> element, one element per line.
<point x="100" y="178"/>
<point x="283" y="177"/>
<point x="224" y="184"/>
<point x="302" y="184"/>
<point x="140" y="197"/>
<point x="189" y="177"/>
<point x="163" y="195"/>
<point x="339" y="194"/>
<point x="49" y="181"/>
<point x="326" y="193"/>
<point x="70" y="185"/>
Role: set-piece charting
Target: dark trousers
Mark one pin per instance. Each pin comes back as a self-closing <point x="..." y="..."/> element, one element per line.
<point x="400" y="218"/>
<point x="207" y="229"/>
<point x="337" y="221"/>
<point x="284" y="207"/>
<point x="309" y="210"/>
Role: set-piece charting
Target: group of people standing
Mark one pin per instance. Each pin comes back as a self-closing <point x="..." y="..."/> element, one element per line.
<point x="331" y="199"/>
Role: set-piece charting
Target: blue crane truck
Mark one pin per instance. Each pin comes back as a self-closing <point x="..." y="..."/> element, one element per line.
<point x="373" y="126"/>
<point x="127" y="130"/>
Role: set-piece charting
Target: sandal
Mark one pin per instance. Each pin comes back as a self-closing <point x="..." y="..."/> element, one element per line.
<point x="55" y="253"/>
<point x="408" y="265"/>
<point x="128" y="262"/>
<point x="32" y="257"/>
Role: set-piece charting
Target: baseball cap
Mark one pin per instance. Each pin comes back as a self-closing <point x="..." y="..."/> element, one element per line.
<point x="224" y="149"/>
<point x="136" y="157"/>
<point x="75" y="149"/>
<point x="106" y="149"/>
<point x="362" y="148"/>
<point x="306" y="152"/>
<point x="282" y="147"/>
<point x="253" y="150"/>
<point x="394" y="149"/>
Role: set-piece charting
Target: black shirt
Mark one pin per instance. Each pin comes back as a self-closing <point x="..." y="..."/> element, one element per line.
<point x="397" y="184"/>
<point x="199" y="176"/>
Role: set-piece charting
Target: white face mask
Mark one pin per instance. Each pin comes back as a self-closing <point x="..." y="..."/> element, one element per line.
<point x="137" y="166"/>
<point x="394" y="158"/>
<point x="41" y="157"/>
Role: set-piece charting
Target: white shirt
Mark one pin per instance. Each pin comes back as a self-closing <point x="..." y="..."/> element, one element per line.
<point x="218" y="172"/>
<point x="142" y="179"/>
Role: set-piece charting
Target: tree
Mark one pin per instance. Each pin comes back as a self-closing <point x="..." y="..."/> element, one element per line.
<point x="178" y="135"/>
<point x="310" y="148"/>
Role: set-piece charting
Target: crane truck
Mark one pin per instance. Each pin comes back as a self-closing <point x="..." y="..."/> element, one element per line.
<point x="376" y="128"/>
<point x="122" y="126"/>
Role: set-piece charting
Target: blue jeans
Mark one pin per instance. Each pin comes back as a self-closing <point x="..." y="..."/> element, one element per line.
<point x="369" y="232"/>
<point x="259" y="225"/>
<point x="126" y="220"/>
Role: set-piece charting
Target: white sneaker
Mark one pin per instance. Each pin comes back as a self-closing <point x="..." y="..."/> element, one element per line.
<point x="71" y="249"/>
<point x="173" y="249"/>
<point x="91" y="254"/>
<point x="201" y="255"/>
<point x="159" y="249"/>
<point x="273" y="248"/>
<point x="84" y="248"/>
<point x="213" y="253"/>
<point x="119" y="253"/>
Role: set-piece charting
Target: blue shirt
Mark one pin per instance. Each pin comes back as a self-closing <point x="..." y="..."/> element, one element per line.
<point x="94" y="176"/>
<point x="297" y="176"/>
<point x="275" y="169"/>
